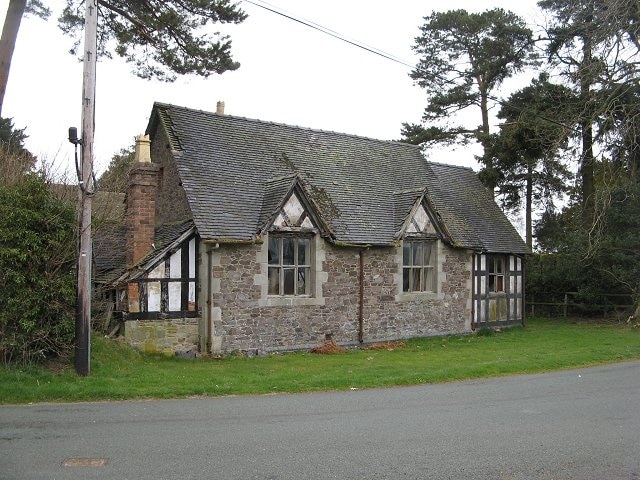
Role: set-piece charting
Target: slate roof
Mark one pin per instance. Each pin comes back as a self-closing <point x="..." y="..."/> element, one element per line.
<point x="109" y="252"/>
<point x="234" y="168"/>
<point x="275" y="190"/>
<point x="166" y="234"/>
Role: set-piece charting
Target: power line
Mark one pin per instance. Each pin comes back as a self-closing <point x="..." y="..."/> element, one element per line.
<point x="328" y="31"/>
<point x="368" y="48"/>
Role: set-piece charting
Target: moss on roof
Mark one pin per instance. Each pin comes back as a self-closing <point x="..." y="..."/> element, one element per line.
<point x="228" y="164"/>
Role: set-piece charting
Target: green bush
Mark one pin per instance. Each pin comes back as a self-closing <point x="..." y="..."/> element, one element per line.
<point x="601" y="264"/>
<point x="37" y="271"/>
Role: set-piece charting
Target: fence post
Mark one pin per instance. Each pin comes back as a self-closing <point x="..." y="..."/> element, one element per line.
<point x="533" y="305"/>
<point x="566" y="303"/>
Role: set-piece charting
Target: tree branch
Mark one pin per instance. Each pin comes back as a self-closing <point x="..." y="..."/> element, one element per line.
<point x="139" y="25"/>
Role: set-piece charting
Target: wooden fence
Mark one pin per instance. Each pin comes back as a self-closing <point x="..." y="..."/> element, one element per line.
<point x="570" y="304"/>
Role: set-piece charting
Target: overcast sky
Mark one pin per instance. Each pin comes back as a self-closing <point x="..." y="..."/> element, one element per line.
<point x="289" y="73"/>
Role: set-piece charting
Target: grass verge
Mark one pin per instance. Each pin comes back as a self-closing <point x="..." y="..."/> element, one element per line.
<point x="118" y="372"/>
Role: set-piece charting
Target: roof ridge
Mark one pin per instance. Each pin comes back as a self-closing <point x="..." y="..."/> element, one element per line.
<point x="287" y="125"/>
<point x="282" y="177"/>
<point x="451" y="165"/>
<point x="409" y="190"/>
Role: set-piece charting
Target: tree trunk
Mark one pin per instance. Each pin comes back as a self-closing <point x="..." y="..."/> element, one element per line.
<point x="586" y="172"/>
<point x="8" y="42"/>
<point x="484" y="139"/>
<point x="636" y="315"/>
<point x="529" y="200"/>
<point x="586" y="130"/>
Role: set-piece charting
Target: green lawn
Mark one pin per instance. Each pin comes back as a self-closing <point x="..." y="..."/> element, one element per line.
<point x="120" y="373"/>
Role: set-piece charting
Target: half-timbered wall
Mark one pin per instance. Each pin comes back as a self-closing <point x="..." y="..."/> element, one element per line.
<point x="498" y="289"/>
<point x="169" y="289"/>
<point x="162" y="309"/>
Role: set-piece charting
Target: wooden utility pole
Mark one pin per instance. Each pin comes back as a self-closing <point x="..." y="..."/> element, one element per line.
<point x="86" y="191"/>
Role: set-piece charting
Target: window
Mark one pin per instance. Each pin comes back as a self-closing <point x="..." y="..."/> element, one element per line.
<point x="496" y="273"/>
<point x="419" y="266"/>
<point x="289" y="266"/>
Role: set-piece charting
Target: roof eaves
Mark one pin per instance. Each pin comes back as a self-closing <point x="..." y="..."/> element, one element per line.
<point x="161" y="117"/>
<point x="435" y="216"/>
<point x="314" y="208"/>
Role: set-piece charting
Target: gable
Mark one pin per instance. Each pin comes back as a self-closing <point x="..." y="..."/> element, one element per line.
<point x="287" y="206"/>
<point x="419" y="218"/>
<point x="420" y="222"/>
<point x="293" y="215"/>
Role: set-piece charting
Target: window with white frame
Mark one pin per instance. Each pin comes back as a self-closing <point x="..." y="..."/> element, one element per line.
<point x="419" y="267"/>
<point x="289" y="265"/>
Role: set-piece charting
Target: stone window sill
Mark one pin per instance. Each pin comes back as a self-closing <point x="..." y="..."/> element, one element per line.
<point x="291" y="301"/>
<point x="417" y="296"/>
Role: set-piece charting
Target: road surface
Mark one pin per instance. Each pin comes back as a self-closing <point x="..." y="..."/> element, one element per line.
<point x="579" y="424"/>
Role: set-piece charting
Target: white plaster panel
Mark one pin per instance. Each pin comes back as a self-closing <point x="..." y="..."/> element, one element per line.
<point x="175" y="265"/>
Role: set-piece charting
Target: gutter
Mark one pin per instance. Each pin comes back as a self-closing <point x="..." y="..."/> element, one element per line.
<point x="231" y="241"/>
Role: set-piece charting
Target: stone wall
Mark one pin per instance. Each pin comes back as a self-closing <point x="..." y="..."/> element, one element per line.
<point x="171" y="201"/>
<point x="244" y="319"/>
<point x="391" y="314"/>
<point x="162" y="336"/>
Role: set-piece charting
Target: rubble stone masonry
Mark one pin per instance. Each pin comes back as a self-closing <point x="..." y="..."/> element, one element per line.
<point x="163" y="336"/>
<point x="247" y="319"/>
<point x="171" y="203"/>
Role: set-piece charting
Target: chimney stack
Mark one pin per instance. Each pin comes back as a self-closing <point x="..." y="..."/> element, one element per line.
<point x="141" y="202"/>
<point x="143" y="149"/>
<point x="220" y="107"/>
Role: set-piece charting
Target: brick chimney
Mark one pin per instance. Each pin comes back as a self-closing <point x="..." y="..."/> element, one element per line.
<point x="220" y="107"/>
<point x="141" y="202"/>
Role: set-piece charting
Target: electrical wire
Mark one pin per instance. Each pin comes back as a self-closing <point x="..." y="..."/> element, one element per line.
<point x="84" y="188"/>
<point x="368" y="48"/>
<point x="328" y="31"/>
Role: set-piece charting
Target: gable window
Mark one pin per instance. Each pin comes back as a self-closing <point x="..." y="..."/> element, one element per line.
<point x="496" y="273"/>
<point x="419" y="266"/>
<point x="289" y="268"/>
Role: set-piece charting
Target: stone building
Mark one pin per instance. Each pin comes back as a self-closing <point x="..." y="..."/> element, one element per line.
<point x="257" y="236"/>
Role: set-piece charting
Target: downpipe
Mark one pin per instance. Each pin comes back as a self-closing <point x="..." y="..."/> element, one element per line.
<point x="361" y="296"/>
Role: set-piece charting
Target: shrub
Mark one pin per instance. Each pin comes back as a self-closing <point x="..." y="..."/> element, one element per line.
<point x="37" y="270"/>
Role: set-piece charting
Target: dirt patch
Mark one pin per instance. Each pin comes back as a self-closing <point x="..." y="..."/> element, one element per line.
<point x="386" y="346"/>
<point x="328" y="348"/>
<point x="57" y="365"/>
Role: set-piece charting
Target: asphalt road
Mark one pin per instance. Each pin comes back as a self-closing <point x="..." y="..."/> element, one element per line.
<point x="581" y="424"/>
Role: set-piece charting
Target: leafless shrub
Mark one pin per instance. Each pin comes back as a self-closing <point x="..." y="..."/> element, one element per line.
<point x="329" y="347"/>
